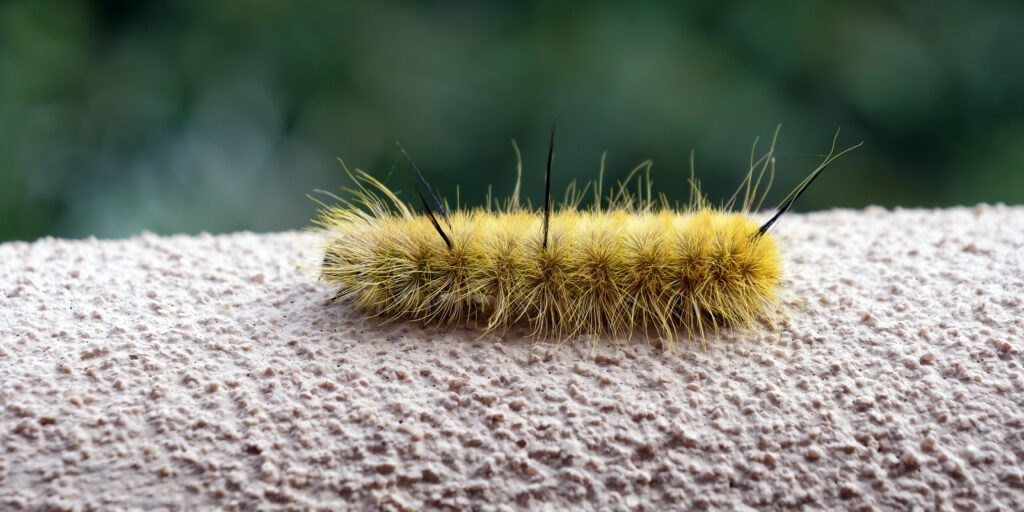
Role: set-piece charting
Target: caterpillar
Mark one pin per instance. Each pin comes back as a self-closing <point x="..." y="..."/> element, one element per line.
<point x="627" y="263"/>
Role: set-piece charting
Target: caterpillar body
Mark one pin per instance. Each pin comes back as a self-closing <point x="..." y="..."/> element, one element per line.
<point x="632" y="264"/>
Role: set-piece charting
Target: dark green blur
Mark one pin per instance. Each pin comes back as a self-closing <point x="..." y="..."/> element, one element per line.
<point x="189" y="116"/>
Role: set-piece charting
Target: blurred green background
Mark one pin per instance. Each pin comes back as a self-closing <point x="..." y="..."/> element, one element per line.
<point x="188" y="116"/>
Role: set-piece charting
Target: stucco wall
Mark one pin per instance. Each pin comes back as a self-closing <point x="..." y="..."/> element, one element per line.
<point x="174" y="372"/>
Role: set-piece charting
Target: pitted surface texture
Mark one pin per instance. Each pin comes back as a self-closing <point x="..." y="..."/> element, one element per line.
<point x="204" y="372"/>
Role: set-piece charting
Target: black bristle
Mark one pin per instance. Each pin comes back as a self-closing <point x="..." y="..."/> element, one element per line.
<point x="433" y="220"/>
<point x="785" y="207"/>
<point x="832" y="155"/>
<point x="437" y="202"/>
<point x="547" y="185"/>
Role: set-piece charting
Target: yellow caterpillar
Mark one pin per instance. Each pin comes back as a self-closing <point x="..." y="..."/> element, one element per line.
<point x="633" y="263"/>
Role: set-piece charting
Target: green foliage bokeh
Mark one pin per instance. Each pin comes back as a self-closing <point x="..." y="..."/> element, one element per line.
<point x="192" y="116"/>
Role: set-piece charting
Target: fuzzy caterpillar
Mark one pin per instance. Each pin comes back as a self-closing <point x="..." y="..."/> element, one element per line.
<point x="634" y="263"/>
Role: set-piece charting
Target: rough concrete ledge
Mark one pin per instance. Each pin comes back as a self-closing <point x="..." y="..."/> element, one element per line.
<point x="204" y="372"/>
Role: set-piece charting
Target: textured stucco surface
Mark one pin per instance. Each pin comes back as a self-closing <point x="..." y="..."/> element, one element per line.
<point x="204" y="372"/>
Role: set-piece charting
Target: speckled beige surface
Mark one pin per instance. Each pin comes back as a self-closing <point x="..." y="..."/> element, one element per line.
<point x="203" y="372"/>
